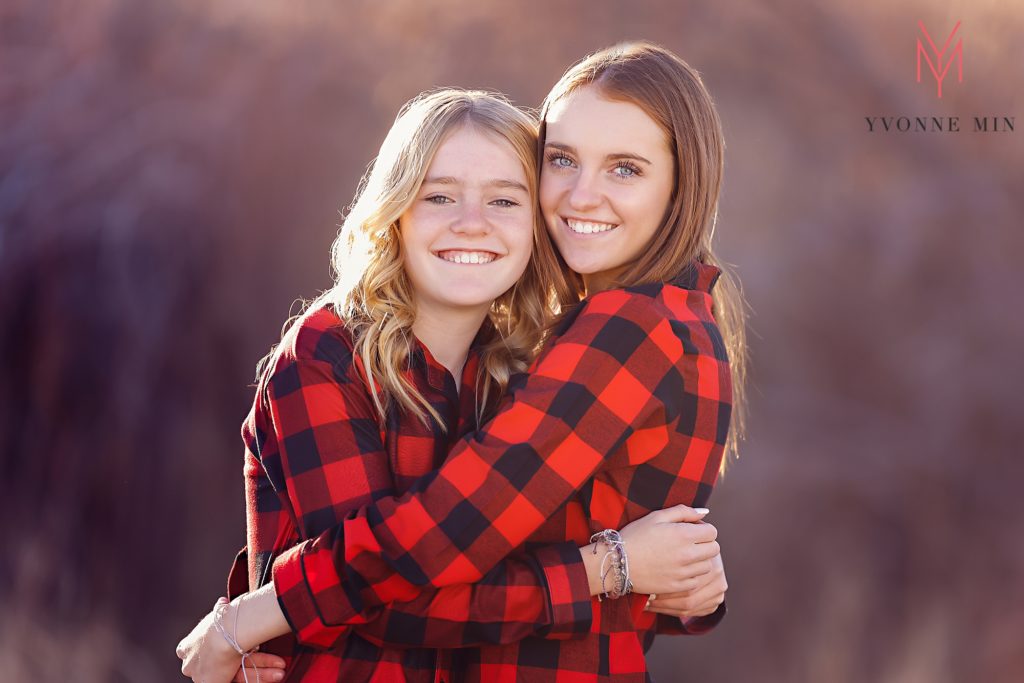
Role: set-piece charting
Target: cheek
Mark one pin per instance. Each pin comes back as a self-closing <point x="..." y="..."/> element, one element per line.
<point x="660" y="200"/>
<point x="644" y="210"/>
<point x="518" y="241"/>
<point x="524" y="241"/>
<point x="405" y="242"/>
<point x="418" y="233"/>
<point x="414" y="252"/>
<point x="407" y="232"/>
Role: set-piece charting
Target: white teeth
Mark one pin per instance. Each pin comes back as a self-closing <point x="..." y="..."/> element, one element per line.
<point x="586" y="227"/>
<point x="479" y="257"/>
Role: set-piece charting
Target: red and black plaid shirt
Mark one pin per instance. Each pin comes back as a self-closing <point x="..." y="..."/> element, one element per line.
<point x="625" y="411"/>
<point x="316" y="452"/>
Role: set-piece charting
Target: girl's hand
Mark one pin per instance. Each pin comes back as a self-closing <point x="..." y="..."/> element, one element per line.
<point x="267" y="666"/>
<point x="707" y="594"/>
<point x="669" y="550"/>
<point x="206" y="657"/>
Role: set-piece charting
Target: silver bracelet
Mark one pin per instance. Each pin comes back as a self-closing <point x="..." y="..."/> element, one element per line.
<point x="219" y="608"/>
<point x="617" y="563"/>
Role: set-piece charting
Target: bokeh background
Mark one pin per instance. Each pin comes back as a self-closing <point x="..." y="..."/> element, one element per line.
<point x="171" y="175"/>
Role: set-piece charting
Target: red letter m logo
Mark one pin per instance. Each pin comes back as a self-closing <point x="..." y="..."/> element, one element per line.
<point x="958" y="53"/>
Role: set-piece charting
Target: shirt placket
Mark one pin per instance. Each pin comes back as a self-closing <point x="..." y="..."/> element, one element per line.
<point x="437" y="386"/>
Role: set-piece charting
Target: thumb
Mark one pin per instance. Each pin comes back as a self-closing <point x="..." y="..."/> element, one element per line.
<point x="683" y="513"/>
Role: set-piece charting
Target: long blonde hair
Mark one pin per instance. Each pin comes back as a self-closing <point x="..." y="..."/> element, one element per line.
<point x="372" y="292"/>
<point x="673" y="95"/>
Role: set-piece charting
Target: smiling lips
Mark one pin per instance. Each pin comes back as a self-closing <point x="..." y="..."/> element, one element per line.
<point x="467" y="257"/>
<point x="588" y="227"/>
<point x="464" y="257"/>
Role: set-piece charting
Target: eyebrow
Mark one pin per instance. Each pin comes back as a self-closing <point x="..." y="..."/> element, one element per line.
<point x="611" y="157"/>
<point x="498" y="182"/>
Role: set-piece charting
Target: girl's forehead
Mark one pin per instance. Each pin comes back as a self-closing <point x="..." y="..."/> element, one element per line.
<point x="587" y="118"/>
<point x="469" y="156"/>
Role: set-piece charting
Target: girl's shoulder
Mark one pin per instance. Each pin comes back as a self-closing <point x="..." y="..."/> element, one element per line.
<point x="687" y="294"/>
<point x="319" y="334"/>
<point x="673" y="313"/>
<point x="685" y="297"/>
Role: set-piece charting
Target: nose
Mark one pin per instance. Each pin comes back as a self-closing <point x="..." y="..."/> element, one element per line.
<point x="471" y="220"/>
<point x="583" y="194"/>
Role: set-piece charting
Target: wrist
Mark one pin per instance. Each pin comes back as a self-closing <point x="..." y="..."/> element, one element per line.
<point x="259" y="617"/>
<point x="615" y="581"/>
<point x="592" y="564"/>
<point x="606" y="565"/>
<point x="223" y="650"/>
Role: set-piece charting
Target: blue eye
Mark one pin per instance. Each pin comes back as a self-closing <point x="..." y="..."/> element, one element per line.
<point x="505" y="203"/>
<point x="626" y="170"/>
<point x="438" y="199"/>
<point x="560" y="160"/>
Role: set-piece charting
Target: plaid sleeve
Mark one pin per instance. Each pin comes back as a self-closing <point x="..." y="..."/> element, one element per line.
<point x="329" y="458"/>
<point x="333" y="462"/>
<point x="692" y="626"/>
<point x="625" y="367"/>
<point x="542" y="593"/>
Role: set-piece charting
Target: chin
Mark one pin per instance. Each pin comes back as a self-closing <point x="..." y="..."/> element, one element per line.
<point x="474" y="298"/>
<point x="584" y="267"/>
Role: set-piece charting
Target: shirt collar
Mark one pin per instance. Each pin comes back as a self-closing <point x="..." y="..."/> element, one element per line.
<point x="436" y="373"/>
<point x="698" y="277"/>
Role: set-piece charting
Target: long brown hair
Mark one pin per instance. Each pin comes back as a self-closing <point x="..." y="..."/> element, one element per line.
<point x="673" y="95"/>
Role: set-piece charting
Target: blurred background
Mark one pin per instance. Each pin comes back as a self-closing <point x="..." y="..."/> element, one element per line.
<point x="171" y="175"/>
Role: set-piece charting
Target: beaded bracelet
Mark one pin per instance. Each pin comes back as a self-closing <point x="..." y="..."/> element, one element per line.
<point x="616" y="560"/>
<point x="219" y="608"/>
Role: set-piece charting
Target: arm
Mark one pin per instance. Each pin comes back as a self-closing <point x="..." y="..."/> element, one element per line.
<point x="671" y="624"/>
<point x="330" y="460"/>
<point x="389" y="549"/>
<point x="696" y="610"/>
<point x="583" y="400"/>
<point x="542" y="593"/>
<point x="317" y="426"/>
<point x="667" y="548"/>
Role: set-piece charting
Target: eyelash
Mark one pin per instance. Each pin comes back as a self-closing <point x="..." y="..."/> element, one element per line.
<point x="634" y="170"/>
<point x="502" y="203"/>
<point x="554" y="157"/>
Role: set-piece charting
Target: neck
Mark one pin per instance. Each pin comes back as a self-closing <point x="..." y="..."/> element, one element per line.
<point x="599" y="282"/>
<point x="448" y="334"/>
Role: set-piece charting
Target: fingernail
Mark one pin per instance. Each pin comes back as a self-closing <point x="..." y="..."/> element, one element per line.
<point x="701" y="511"/>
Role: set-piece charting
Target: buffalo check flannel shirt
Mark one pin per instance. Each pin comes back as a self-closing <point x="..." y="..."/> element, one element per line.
<point x="625" y="411"/>
<point x="315" y="452"/>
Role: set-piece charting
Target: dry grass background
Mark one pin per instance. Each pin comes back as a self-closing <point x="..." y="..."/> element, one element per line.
<point x="170" y="176"/>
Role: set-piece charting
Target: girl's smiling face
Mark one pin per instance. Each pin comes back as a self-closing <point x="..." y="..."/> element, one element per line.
<point x="468" y="235"/>
<point x="607" y="177"/>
